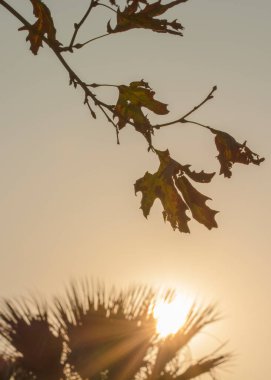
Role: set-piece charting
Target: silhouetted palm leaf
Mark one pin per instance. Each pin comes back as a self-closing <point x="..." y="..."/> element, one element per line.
<point x="7" y="368"/>
<point x="107" y="334"/>
<point x="30" y="335"/>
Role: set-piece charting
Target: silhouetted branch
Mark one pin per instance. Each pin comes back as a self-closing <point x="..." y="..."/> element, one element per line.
<point x="77" y="26"/>
<point x="183" y="118"/>
<point x="107" y="6"/>
<point x="74" y="78"/>
<point x="15" y="13"/>
<point x="80" y="45"/>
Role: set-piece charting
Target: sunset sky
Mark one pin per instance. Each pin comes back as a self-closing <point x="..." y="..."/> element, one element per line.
<point x="68" y="208"/>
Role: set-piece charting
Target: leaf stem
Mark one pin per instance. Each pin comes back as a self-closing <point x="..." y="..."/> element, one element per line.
<point x="107" y="6"/>
<point x="201" y="125"/>
<point x="91" y="40"/>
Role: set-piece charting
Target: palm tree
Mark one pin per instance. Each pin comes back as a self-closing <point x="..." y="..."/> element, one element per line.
<point x="98" y="335"/>
<point x="7" y="367"/>
<point x="37" y="349"/>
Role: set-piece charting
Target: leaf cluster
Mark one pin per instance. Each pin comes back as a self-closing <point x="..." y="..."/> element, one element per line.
<point x="94" y="334"/>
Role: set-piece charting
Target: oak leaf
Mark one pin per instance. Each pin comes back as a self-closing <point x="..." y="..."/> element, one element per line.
<point x="196" y="202"/>
<point x="43" y="25"/>
<point x="129" y="107"/>
<point x="230" y="152"/>
<point x="176" y="193"/>
<point x="134" y="17"/>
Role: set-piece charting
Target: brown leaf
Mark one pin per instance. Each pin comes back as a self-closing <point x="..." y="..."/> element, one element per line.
<point x="128" y="108"/>
<point x="169" y="185"/>
<point x="196" y="202"/>
<point x="155" y="186"/>
<point x="44" y="25"/>
<point x="230" y="152"/>
<point x="134" y="17"/>
<point x="198" y="177"/>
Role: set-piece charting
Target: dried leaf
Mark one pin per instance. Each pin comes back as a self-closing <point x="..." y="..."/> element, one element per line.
<point x="198" y="177"/>
<point x="134" y="17"/>
<point x="155" y="186"/>
<point x="129" y="107"/>
<point x="196" y="202"/>
<point x="230" y="152"/>
<point x="44" y="25"/>
<point x="168" y="184"/>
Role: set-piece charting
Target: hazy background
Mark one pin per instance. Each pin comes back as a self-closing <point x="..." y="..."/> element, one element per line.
<point x="67" y="202"/>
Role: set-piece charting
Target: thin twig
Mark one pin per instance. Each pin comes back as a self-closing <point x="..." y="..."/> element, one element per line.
<point x="107" y="6"/>
<point x="94" y="85"/>
<point x="93" y="114"/>
<point x="80" y="45"/>
<point x="209" y="97"/>
<point x="77" y="26"/>
<point x="112" y="122"/>
<point x="183" y="119"/>
<point x="201" y="125"/>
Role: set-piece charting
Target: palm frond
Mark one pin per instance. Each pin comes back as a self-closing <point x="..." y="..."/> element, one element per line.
<point x="204" y="366"/>
<point x="197" y="319"/>
<point x="109" y="333"/>
<point x="7" y="368"/>
<point x="29" y="333"/>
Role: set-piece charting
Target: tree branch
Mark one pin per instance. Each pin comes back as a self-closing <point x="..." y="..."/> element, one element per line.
<point x="74" y="78"/>
<point x="93" y="4"/>
<point x="16" y="14"/>
<point x="183" y="119"/>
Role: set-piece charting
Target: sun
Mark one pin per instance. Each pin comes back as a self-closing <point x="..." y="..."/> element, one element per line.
<point x="171" y="316"/>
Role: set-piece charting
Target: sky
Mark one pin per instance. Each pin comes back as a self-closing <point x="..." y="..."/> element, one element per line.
<point x="68" y="208"/>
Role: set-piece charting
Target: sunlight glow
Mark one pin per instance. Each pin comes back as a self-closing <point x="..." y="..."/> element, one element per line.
<point x="171" y="316"/>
